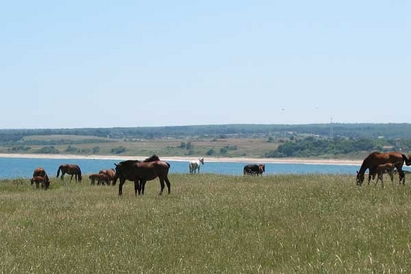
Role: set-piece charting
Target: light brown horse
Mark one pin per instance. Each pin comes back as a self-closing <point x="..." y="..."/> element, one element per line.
<point x="384" y="168"/>
<point x="100" y="178"/>
<point x="141" y="172"/>
<point x="40" y="177"/>
<point x="377" y="158"/>
<point x="110" y="173"/>
<point x="73" y="170"/>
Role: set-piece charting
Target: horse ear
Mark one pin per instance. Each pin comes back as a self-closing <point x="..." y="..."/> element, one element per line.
<point x="357" y="172"/>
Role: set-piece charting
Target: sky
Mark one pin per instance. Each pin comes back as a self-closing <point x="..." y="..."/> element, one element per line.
<point x="92" y="64"/>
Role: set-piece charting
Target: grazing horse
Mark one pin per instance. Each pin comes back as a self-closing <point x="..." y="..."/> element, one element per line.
<point x="253" y="169"/>
<point x="195" y="165"/>
<point x="110" y="173"/>
<point x="372" y="161"/>
<point x="385" y="168"/>
<point x="101" y="178"/>
<point x="141" y="172"/>
<point x="40" y="177"/>
<point x="73" y="170"/>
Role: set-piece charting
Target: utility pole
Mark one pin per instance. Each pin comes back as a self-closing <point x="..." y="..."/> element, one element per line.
<point x="331" y="130"/>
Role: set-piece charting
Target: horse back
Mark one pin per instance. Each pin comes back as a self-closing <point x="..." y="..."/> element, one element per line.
<point x="151" y="170"/>
<point x="110" y="173"/>
<point x="39" y="172"/>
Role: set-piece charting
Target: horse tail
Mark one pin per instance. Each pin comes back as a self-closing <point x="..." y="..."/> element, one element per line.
<point x="58" y="171"/>
<point x="79" y="174"/>
<point x="406" y="159"/>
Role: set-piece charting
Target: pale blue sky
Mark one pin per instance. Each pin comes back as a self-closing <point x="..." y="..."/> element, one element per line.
<point x="75" y="64"/>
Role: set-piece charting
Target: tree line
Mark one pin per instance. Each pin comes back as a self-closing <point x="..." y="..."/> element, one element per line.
<point x="317" y="147"/>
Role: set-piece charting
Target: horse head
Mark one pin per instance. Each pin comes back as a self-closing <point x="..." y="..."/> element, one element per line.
<point x="201" y="160"/>
<point x="360" y="178"/>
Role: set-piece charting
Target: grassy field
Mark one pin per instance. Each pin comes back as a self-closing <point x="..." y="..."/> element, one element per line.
<point x="208" y="224"/>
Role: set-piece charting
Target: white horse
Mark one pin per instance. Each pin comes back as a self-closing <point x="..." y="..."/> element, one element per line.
<point x="195" y="165"/>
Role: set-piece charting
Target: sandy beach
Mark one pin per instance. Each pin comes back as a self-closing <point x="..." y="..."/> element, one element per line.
<point x="187" y="159"/>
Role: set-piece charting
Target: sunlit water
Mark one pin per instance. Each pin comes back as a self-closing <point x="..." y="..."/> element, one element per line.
<point x="23" y="167"/>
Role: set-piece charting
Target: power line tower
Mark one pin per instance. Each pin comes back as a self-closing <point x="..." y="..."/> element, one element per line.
<point x="331" y="129"/>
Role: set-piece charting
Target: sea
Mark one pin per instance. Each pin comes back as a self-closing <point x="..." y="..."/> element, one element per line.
<point x="11" y="168"/>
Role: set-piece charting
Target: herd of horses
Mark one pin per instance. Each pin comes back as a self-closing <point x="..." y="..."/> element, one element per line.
<point x="136" y="171"/>
<point x="140" y="172"/>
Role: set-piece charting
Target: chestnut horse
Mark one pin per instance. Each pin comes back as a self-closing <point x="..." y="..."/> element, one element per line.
<point x="101" y="178"/>
<point x="73" y="170"/>
<point x="110" y="173"/>
<point x="141" y="172"/>
<point x="40" y="177"/>
<point x="377" y="158"/>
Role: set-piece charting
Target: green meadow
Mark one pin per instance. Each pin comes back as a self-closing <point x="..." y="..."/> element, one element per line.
<point x="208" y="224"/>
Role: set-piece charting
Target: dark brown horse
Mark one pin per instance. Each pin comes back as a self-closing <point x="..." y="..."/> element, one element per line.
<point x="254" y="169"/>
<point x="40" y="177"/>
<point x="377" y="158"/>
<point x="141" y="172"/>
<point x="73" y="170"/>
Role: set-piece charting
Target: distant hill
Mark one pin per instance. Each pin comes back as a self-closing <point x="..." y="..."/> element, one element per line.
<point x="354" y="131"/>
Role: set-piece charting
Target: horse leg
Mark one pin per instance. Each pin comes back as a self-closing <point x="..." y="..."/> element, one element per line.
<point x="391" y="176"/>
<point x="137" y="187"/>
<point x="402" y="176"/>
<point x="379" y="177"/>
<point x="168" y="184"/>
<point x="143" y="187"/>
<point x="161" y="185"/>
<point x="120" y="187"/>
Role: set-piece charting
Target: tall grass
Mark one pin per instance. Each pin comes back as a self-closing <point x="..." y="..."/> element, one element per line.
<point x="208" y="224"/>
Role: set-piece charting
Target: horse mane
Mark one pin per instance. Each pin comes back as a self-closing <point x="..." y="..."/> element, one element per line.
<point x="365" y="163"/>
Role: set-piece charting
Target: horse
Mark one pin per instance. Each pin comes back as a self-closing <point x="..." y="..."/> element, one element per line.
<point x="372" y="161"/>
<point x="100" y="178"/>
<point x="252" y="169"/>
<point x="141" y="172"/>
<point x="110" y="173"/>
<point x="40" y="180"/>
<point x="385" y="168"/>
<point x="195" y="165"/>
<point x="40" y="177"/>
<point x="73" y="170"/>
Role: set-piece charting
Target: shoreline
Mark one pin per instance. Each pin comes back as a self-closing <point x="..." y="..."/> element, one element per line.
<point x="190" y="158"/>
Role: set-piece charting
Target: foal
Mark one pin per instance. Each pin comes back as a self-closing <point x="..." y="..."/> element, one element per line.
<point x="385" y="168"/>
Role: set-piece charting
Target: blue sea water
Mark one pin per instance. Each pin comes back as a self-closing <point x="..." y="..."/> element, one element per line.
<point x="23" y="167"/>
